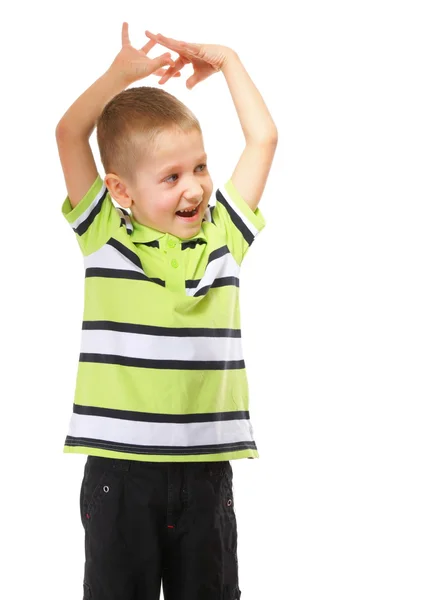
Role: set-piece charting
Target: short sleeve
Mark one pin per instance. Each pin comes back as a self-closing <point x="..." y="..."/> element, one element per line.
<point x="95" y="218"/>
<point x="239" y="224"/>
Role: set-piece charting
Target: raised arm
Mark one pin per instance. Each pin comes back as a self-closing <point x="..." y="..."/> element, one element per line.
<point x="74" y="130"/>
<point x="252" y="170"/>
<point x="77" y="124"/>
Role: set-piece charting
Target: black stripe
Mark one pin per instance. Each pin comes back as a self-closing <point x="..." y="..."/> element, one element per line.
<point x="237" y="221"/>
<point x="162" y="331"/>
<point x="132" y="256"/>
<point x="185" y="365"/>
<point x="123" y="223"/>
<point x="132" y="415"/>
<point x="82" y="227"/>
<point x="153" y="244"/>
<point x="219" y="282"/>
<point x="192" y="244"/>
<point x="168" y="450"/>
<point x="231" y="280"/>
<point x="218" y="253"/>
<point x="134" y="275"/>
<point x="121" y="274"/>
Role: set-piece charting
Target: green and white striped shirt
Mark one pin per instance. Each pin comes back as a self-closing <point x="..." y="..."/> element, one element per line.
<point x="161" y="376"/>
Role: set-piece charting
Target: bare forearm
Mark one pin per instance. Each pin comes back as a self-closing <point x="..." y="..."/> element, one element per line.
<point x="255" y="119"/>
<point x="80" y="118"/>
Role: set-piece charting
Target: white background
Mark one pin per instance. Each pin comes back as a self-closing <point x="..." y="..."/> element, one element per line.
<point x="332" y="291"/>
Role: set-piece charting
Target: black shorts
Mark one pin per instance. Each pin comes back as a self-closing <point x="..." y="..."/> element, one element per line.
<point x="147" y="523"/>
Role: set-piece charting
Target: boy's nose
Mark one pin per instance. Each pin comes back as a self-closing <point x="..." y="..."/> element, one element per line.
<point x="193" y="195"/>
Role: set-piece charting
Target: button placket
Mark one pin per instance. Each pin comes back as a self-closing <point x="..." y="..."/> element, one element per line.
<point x="175" y="270"/>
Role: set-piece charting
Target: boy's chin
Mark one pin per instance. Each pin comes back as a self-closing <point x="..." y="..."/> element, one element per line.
<point x="189" y="228"/>
<point x="187" y="235"/>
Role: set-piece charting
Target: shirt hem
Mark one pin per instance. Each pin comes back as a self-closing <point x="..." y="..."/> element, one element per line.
<point x="249" y="453"/>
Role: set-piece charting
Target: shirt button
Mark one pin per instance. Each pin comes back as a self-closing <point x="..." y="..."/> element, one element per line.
<point x="174" y="263"/>
<point x="171" y="243"/>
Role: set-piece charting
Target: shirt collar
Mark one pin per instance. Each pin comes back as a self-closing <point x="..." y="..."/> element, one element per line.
<point x="142" y="234"/>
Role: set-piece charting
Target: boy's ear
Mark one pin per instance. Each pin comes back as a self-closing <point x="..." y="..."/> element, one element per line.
<point x="118" y="190"/>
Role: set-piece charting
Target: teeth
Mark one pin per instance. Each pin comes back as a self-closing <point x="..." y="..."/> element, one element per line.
<point x="188" y="211"/>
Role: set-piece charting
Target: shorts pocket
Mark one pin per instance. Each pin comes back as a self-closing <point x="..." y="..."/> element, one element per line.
<point x="82" y="500"/>
<point x="228" y="489"/>
<point x="94" y="489"/>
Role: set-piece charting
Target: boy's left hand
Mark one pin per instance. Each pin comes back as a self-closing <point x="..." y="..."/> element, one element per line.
<point x="206" y="59"/>
<point x="131" y="64"/>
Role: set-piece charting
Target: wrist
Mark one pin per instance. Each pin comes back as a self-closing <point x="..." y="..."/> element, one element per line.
<point x="230" y="58"/>
<point x="117" y="78"/>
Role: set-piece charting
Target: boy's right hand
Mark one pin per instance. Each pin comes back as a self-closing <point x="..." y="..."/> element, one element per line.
<point x="206" y="59"/>
<point x="131" y="64"/>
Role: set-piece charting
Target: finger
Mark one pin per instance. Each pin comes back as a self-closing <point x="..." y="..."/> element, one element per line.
<point x="194" y="80"/>
<point x="164" y="41"/>
<point x="191" y="82"/>
<point x="186" y="51"/>
<point x="162" y="61"/>
<point x="169" y="73"/>
<point x="179" y="63"/>
<point x="168" y="39"/>
<point x="148" y="46"/>
<point x="162" y="72"/>
<point x="173" y="69"/>
<point x="191" y="48"/>
<point x="124" y="35"/>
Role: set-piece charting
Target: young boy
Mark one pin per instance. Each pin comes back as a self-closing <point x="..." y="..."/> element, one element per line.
<point x="161" y="400"/>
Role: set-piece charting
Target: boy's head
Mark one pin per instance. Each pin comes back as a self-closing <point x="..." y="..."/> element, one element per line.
<point x="152" y="151"/>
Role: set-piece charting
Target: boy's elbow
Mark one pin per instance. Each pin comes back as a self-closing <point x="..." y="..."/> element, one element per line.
<point x="64" y="129"/>
<point x="60" y="130"/>
<point x="269" y="138"/>
<point x="273" y="138"/>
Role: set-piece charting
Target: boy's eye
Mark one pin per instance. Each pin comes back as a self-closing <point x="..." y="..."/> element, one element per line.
<point x="175" y="174"/>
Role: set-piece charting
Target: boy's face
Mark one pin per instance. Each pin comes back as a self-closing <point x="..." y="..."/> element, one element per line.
<point x="173" y="177"/>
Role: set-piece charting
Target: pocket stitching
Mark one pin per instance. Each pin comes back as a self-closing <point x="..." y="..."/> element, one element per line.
<point x="91" y="506"/>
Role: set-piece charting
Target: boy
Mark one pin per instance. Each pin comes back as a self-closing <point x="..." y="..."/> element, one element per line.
<point x="161" y="400"/>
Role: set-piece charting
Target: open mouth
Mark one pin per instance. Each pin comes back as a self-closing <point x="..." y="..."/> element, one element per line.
<point x="187" y="216"/>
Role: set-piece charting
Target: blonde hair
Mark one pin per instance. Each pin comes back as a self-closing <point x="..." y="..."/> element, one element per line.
<point x="130" y="122"/>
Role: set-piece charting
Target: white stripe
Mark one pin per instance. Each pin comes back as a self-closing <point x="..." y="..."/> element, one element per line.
<point x="157" y="347"/>
<point x="207" y="214"/>
<point x="225" y="266"/>
<point x="109" y="257"/>
<point x="92" y="206"/>
<point x="160" y="434"/>
<point x="128" y="223"/>
<point x="238" y="211"/>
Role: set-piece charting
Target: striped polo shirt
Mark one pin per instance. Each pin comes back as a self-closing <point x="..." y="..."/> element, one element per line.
<point x="161" y="375"/>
